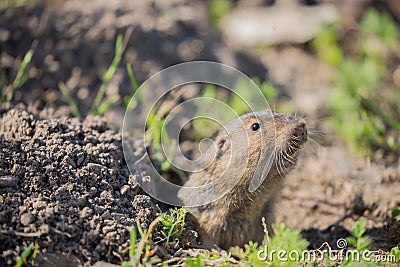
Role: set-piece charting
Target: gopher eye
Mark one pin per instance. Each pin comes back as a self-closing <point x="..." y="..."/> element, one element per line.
<point x="255" y="127"/>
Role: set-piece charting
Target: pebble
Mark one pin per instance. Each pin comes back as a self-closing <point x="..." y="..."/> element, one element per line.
<point x="8" y="181"/>
<point x="104" y="264"/>
<point x="44" y="228"/>
<point x="85" y="213"/>
<point x="70" y="161"/>
<point x="106" y="215"/>
<point x="27" y="218"/>
<point x="125" y="189"/>
<point x="39" y="205"/>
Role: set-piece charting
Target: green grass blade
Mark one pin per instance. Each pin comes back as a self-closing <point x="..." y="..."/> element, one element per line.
<point x="106" y="106"/>
<point x="140" y="246"/>
<point x="21" y="77"/>
<point x="24" y="256"/>
<point x="135" y="88"/>
<point x="64" y="90"/>
<point x="120" y="46"/>
<point x="18" y="82"/>
<point x="106" y="80"/>
<point x="35" y="254"/>
<point x="132" y="78"/>
<point x="375" y="109"/>
<point x="133" y="238"/>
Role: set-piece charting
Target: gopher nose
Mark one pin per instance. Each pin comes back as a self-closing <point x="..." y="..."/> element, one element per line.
<point x="300" y="132"/>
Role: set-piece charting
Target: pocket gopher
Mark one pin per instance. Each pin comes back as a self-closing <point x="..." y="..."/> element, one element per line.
<point x="242" y="148"/>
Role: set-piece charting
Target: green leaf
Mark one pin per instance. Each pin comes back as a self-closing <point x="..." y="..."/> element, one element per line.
<point x="363" y="243"/>
<point x="172" y="224"/>
<point x="72" y="104"/>
<point x="396" y="212"/>
<point x="380" y="25"/>
<point x="352" y="241"/>
<point x="396" y="252"/>
<point x="24" y="256"/>
<point x="197" y="262"/>
<point x="218" y="9"/>
<point x="358" y="228"/>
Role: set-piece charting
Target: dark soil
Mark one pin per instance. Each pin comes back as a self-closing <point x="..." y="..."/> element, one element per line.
<point x="64" y="182"/>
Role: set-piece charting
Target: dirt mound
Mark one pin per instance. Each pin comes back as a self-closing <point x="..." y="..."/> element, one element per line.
<point x="64" y="184"/>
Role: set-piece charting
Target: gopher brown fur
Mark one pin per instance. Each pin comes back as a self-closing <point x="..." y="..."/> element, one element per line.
<point x="235" y="217"/>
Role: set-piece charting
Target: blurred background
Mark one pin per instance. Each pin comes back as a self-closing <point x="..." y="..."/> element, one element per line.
<point x="336" y="59"/>
<point x="337" y="62"/>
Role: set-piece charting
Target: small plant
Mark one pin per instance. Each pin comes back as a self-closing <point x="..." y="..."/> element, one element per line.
<point x="362" y="101"/>
<point x="210" y="258"/>
<point x="135" y="87"/>
<point x="359" y="241"/>
<point x="248" y="255"/>
<point x="396" y="212"/>
<point x="30" y="250"/>
<point x="155" y="136"/>
<point x="135" y="250"/>
<point x="196" y="262"/>
<point x="16" y="3"/>
<point x="139" y="252"/>
<point x="172" y="224"/>
<point x="396" y="252"/>
<point x="7" y="91"/>
<point x="120" y="45"/>
<point x="284" y="239"/>
<point x="99" y="107"/>
<point x="218" y="9"/>
<point x="288" y="240"/>
<point x="375" y="24"/>
<point x="72" y="104"/>
<point x="326" y="45"/>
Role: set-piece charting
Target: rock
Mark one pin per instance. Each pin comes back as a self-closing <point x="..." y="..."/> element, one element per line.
<point x="39" y="205"/>
<point x="285" y="22"/>
<point x="125" y="189"/>
<point x="8" y="181"/>
<point x="86" y="212"/>
<point x="104" y="264"/>
<point x="27" y="218"/>
<point x="106" y="215"/>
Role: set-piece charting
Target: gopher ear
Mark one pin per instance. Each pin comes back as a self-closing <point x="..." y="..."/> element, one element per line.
<point x="224" y="143"/>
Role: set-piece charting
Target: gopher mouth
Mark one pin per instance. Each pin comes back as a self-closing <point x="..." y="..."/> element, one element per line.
<point x="289" y="159"/>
